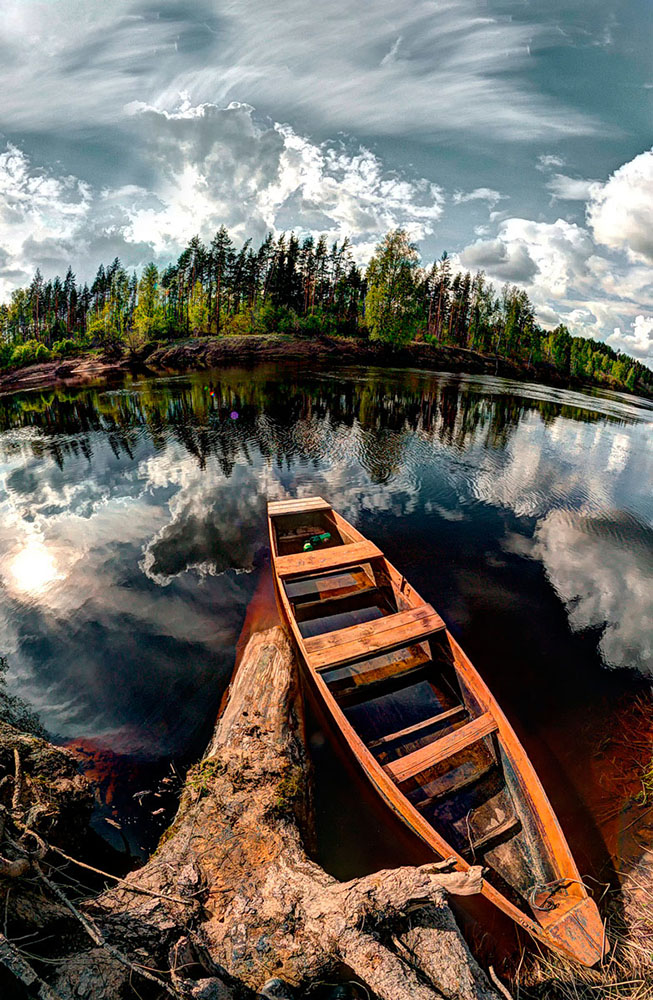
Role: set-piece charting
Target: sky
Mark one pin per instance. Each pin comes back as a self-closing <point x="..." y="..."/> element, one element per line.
<point x="514" y="134"/>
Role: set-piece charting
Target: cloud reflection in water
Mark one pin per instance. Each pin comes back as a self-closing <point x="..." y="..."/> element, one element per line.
<point x="148" y="504"/>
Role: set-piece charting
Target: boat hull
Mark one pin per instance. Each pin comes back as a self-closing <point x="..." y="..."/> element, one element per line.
<point x="577" y="930"/>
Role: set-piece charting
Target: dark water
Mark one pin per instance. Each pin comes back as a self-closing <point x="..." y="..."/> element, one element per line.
<point x="133" y="539"/>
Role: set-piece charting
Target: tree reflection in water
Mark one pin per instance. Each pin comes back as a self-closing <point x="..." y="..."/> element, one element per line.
<point x="147" y="502"/>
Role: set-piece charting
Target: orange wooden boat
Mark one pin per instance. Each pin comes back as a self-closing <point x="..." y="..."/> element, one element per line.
<point x="424" y="726"/>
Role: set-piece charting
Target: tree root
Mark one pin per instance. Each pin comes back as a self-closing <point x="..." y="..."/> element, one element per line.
<point x="231" y="900"/>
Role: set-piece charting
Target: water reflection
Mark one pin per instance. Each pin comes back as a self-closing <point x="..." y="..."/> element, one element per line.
<point x="602" y="568"/>
<point x="132" y="525"/>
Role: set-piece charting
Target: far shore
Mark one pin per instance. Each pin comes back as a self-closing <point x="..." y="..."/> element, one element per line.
<point x="202" y="353"/>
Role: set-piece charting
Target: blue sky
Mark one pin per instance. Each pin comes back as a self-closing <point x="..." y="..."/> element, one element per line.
<point x="516" y="135"/>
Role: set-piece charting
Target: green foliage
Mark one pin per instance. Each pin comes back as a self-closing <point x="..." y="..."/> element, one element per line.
<point x="241" y="323"/>
<point x="6" y="352"/>
<point x="392" y="307"/>
<point x="149" y="319"/>
<point x="64" y="348"/>
<point x="287" y="321"/>
<point x="557" y="348"/>
<point x="202" y="775"/>
<point x="29" y="353"/>
<point x="198" y="309"/>
<point x="290" y="789"/>
<point x="14" y="710"/>
<point x="300" y="288"/>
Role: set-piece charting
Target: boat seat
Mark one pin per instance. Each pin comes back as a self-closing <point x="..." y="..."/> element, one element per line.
<point x="453" y="781"/>
<point x="358" y="642"/>
<point x="377" y="680"/>
<point x="414" y="730"/>
<point x="492" y="837"/>
<point x="297" y="506"/>
<point x="414" y="763"/>
<point x="328" y="586"/>
<point x="336" y="557"/>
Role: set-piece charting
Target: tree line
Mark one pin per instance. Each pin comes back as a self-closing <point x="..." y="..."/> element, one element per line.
<point x="303" y="288"/>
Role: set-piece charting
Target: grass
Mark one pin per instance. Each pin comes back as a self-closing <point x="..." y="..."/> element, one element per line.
<point x="627" y="971"/>
<point x="201" y="775"/>
<point x="646" y="777"/>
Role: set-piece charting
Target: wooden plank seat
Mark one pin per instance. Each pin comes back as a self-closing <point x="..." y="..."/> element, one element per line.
<point x="380" y="675"/>
<point x="358" y="642"/>
<point x="455" y="780"/>
<point x="494" y="835"/>
<point x="328" y="586"/>
<point x="336" y="557"/>
<point x="415" y="729"/>
<point x="297" y="506"/>
<point x="366" y="597"/>
<point x="420" y="760"/>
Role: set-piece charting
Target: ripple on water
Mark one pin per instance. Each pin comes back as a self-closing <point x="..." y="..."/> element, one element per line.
<point x="523" y="513"/>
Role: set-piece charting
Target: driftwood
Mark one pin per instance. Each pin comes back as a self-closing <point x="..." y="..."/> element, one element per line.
<point x="230" y="900"/>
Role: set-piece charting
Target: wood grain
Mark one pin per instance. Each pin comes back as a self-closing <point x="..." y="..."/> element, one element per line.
<point x="297" y="506"/>
<point x="410" y="730"/>
<point x="335" y="558"/>
<point x="359" y="641"/>
<point x="420" y="760"/>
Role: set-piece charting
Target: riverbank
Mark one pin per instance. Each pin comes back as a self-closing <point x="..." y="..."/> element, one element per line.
<point x="198" y="354"/>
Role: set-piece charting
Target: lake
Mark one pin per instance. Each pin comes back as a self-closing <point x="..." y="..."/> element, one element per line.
<point x="133" y="542"/>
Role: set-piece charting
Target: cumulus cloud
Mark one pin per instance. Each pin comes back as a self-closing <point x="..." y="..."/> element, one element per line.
<point x="602" y="569"/>
<point x="36" y="207"/>
<point x="569" y="188"/>
<point x="620" y="212"/>
<point x="554" y="252"/>
<point x="212" y="166"/>
<point x="638" y="343"/>
<point x="505" y="261"/>
<point x="594" y="278"/>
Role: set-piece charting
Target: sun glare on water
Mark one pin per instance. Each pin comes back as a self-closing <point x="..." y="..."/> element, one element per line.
<point x="33" y="569"/>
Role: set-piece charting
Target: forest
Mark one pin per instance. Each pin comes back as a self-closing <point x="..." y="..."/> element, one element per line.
<point x="304" y="289"/>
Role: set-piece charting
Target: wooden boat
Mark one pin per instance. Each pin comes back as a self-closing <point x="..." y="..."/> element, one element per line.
<point x="423" y="725"/>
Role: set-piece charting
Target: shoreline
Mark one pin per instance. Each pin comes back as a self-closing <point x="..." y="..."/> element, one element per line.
<point x="199" y="354"/>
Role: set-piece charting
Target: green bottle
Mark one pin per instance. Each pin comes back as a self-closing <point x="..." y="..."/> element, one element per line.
<point x="315" y="540"/>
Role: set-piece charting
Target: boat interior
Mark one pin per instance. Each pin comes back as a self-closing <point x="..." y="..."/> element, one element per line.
<point x="387" y="660"/>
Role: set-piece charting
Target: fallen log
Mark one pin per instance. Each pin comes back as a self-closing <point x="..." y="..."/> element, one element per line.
<point x="232" y="900"/>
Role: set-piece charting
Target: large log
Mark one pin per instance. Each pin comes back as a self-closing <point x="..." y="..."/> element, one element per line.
<point x="231" y="900"/>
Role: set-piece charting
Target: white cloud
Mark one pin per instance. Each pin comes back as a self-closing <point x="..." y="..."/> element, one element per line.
<point x="569" y="188"/>
<point x="532" y="252"/>
<point x="478" y="194"/>
<point x="502" y="260"/>
<point x="37" y="209"/>
<point x="547" y="161"/>
<point x="638" y="343"/>
<point x="416" y="68"/>
<point x="569" y="274"/>
<point x="213" y="166"/>
<point x="620" y="212"/>
<point x="603" y="581"/>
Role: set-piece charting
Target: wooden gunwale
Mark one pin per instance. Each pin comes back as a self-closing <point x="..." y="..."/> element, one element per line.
<point x="546" y="820"/>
